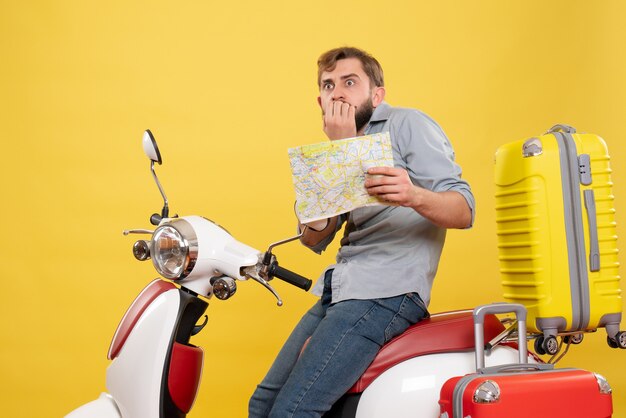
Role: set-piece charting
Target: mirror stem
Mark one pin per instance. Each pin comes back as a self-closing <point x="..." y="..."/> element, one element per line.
<point x="165" y="211"/>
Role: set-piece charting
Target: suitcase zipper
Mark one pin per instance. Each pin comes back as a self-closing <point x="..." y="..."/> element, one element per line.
<point x="574" y="230"/>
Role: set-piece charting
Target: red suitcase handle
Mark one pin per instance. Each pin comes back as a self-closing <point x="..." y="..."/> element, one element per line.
<point x="499" y="308"/>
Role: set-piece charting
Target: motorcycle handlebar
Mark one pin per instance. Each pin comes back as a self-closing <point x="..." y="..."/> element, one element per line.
<point x="290" y="277"/>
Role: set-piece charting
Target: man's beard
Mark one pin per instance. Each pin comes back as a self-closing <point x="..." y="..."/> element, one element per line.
<point x="363" y="114"/>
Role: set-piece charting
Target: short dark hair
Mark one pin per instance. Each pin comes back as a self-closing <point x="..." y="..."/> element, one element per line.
<point x="328" y="61"/>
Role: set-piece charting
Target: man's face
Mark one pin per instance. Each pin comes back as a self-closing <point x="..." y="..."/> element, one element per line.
<point x="348" y="83"/>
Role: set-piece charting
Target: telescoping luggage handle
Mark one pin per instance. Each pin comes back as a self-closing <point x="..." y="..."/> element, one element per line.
<point x="499" y="308"/>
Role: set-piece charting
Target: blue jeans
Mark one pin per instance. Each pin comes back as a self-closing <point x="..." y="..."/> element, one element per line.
<point x="345" y="338"/>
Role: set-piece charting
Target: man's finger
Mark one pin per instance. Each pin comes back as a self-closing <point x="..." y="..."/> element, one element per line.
<point x="387" y="171"/>
<point x="377" y="181"/>
<point x="330" y="110"/>
<point x="345" y="109"/>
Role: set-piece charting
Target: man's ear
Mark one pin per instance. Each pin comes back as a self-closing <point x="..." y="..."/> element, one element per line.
<point x="378" y="95"/>
<point x="319" y="102"/>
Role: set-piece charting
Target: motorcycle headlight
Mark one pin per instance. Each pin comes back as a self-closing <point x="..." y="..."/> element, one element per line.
<point x="174" y="249"/>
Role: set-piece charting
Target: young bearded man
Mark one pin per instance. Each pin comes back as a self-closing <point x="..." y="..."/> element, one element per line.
<point x="388" y="258"/>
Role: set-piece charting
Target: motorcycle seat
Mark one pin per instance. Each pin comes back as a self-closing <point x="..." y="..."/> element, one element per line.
<point x="440" y="333"/>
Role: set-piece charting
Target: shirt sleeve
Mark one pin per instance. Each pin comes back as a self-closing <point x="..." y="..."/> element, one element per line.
<point x="428" y="155"/>
<point x="321" y="246"/>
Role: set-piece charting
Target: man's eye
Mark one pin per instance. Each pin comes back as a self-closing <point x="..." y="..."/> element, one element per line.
<point x="328" y="86"/>
<point x="350" y="83"/>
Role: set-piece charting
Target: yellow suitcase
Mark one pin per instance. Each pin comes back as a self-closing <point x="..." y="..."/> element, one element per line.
<point x="557" y="240"/>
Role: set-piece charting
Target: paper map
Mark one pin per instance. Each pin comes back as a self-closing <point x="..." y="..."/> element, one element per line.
<point x="329" y="177"/>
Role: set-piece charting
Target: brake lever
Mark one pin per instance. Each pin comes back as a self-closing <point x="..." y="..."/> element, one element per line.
<point x="137" y="231"/>
<point x="252" y="275"/>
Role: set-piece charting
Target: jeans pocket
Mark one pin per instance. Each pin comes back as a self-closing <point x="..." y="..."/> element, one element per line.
<point x="411" y="310"/>
<point x="420" y="304"/>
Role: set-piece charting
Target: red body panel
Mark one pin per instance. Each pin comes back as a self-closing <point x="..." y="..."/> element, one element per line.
<point x="184" y="375"/>
<point x="571" y="393"/>
<point x="441" y="333"/>
<point x="134" y="312"/>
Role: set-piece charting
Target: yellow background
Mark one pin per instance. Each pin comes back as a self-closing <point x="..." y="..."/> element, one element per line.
<point x="227" y="87"/>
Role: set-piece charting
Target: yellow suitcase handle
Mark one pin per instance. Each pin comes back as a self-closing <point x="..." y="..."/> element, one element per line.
<point x="561" y="128"/>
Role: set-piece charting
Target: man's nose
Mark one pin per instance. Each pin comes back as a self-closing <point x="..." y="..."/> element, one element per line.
<point x="338" y="94"/>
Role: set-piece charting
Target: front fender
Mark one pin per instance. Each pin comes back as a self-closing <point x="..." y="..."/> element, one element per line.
<point x="103" y="407"/>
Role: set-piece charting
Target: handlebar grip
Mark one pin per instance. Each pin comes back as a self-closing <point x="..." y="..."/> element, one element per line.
<point x="290" y="277"/>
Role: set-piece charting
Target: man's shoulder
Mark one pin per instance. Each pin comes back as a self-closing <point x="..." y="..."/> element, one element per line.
<point x="406" y="116"/>
<point x="408" y="113"/>
<point x="404" y="121"/>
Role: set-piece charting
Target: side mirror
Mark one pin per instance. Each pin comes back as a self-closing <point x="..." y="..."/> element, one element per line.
<point x="150" y="147"/>
<point x="151" y="150"/>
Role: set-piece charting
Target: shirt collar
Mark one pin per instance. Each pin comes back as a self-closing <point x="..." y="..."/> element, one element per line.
<point x="381" y="113"/>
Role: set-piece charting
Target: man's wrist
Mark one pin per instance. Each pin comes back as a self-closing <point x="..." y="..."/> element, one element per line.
<point x="319" y="225"/>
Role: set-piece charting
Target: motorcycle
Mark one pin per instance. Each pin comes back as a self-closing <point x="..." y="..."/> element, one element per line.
<point x="155" y="370"/>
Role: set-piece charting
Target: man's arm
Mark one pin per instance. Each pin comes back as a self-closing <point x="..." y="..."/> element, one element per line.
<point x="339" y="123"/>
<point x="447" y="209"/>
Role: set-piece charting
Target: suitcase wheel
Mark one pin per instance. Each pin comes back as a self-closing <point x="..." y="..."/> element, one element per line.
<point x="619" y="341"/>
<point x="573" y="339"/>
<point x="546" y="345"/>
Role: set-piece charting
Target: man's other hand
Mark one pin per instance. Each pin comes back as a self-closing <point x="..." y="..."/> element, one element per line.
<point x="391" y="185"/>
<point x="447" y="209"/>
<point x="339" y="120"/>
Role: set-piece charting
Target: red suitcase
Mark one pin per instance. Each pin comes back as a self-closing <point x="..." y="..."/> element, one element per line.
<point x="522" y="390"/>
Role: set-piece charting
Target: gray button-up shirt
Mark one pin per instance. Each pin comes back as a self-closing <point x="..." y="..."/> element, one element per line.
<point x="386" y="250"/>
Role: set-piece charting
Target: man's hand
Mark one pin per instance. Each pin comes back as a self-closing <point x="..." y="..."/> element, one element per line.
<point x="393" y="186"/>
<point x="339" y="120"/>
